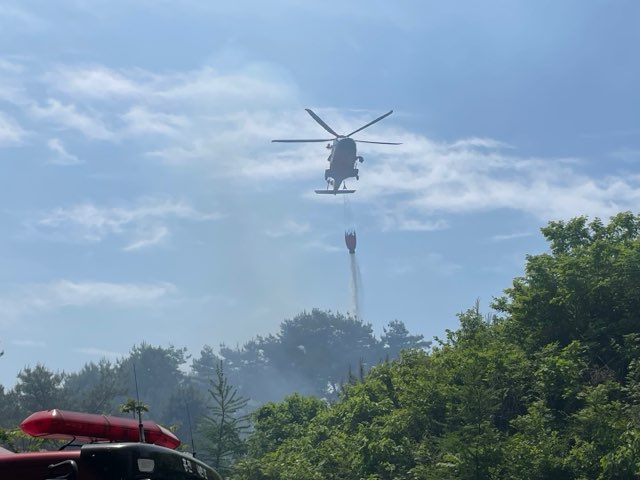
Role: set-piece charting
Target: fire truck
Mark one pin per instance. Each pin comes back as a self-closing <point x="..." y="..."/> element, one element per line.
<point x="101" y="447"/>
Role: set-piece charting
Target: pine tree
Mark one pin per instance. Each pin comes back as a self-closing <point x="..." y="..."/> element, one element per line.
<point x="224" y="426"/>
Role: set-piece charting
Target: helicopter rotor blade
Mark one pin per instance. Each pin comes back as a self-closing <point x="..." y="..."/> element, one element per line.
<point x="372" y="122"/>
<point x="303" y="141"/>
<point x="321" y="122"/>
<point x="379" y="143"/>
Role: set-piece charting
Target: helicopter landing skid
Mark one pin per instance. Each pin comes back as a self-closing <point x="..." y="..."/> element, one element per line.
<point x="334" y="192"/>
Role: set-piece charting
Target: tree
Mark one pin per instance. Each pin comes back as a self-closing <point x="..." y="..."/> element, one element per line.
<point x="585" y="289"/>
<point x="483" y="378"/>
<point x="203" y="368"/>
<point x="273" y="423"/>
<point x="318" y="347"/>
<point x="159" y="376"/>
<point x="186" y="406"/>
<point x="134" y="407"/>
<point x="537" y="446"/>
<point x="94" y="388"/>
<point x="559" y="376"/>
<point x="254" y="373"/>
<point x="11" y="412"/>
<point x="38" y="388"/>
<point x="595" y="429"/>
<point x="396" y="338"/>
<point x="224" y="426"/>
<point x="623" y="459"/>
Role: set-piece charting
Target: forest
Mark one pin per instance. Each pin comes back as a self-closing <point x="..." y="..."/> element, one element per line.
<point x="544" y="386"/>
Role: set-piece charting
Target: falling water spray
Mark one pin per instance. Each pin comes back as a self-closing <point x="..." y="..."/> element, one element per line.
<point x="355" y="286"/>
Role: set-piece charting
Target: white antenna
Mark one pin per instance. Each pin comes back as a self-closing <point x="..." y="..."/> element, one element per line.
<point x="138" y="409"/>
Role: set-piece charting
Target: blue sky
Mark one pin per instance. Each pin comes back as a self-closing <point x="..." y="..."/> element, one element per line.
<point x="142" y="199"/>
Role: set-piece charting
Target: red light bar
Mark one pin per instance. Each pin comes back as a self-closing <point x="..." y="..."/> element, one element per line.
<point x="66" y="425"/>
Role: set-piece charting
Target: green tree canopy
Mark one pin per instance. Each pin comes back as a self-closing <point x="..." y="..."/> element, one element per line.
<point x="159" y="376"/>
<point x="39" y="388"/>
<point x="95" y="388"/>
<point x="585" y="289"/>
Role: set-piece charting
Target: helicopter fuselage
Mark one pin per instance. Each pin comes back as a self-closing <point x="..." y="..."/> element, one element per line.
<point x="342" y="162"/>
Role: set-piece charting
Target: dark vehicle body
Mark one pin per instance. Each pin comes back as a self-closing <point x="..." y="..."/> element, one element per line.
<point x="106" y="461"/>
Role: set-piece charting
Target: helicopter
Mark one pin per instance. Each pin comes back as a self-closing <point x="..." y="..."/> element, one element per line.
<point x="343" y="156"/>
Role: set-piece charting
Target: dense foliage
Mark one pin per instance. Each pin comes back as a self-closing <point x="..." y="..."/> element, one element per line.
<point x="549" y="389"/>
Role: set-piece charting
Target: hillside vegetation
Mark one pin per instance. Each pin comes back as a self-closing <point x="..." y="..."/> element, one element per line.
<point x="547" y="389"/>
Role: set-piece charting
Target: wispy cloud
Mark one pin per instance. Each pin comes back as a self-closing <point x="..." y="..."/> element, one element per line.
<point x="298" y="163"/>
<point x="61" y="157"/>
<point x="431" y="179"/>
<point x="478" y="142"/>
<point x="10" y="132"/>
<point x="289" y="227"/>
<point x="142" y="224"/>
<point x="12" y="90"/>
<point x="28" y="343"/>
<point x="68" y="293"/>
<point x="7" y="66"/>
<point x="142" y="121"/>
<point x="409" y="220"/>
<point x="629" y="155"/>
<point x="67" y="116"/>
<point x="197" y="89"/>
<point x="94" y="82"/>
<point x="34" y="298"/>
<point x="433" y="262"/>
<point x="148" y="238"/>
<point x="510" y="236"/>
<point x="218" y="119"/>
<point x="12" y="16"/>
<point x="98" y="352"/>
<point x="324" y="246"/>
